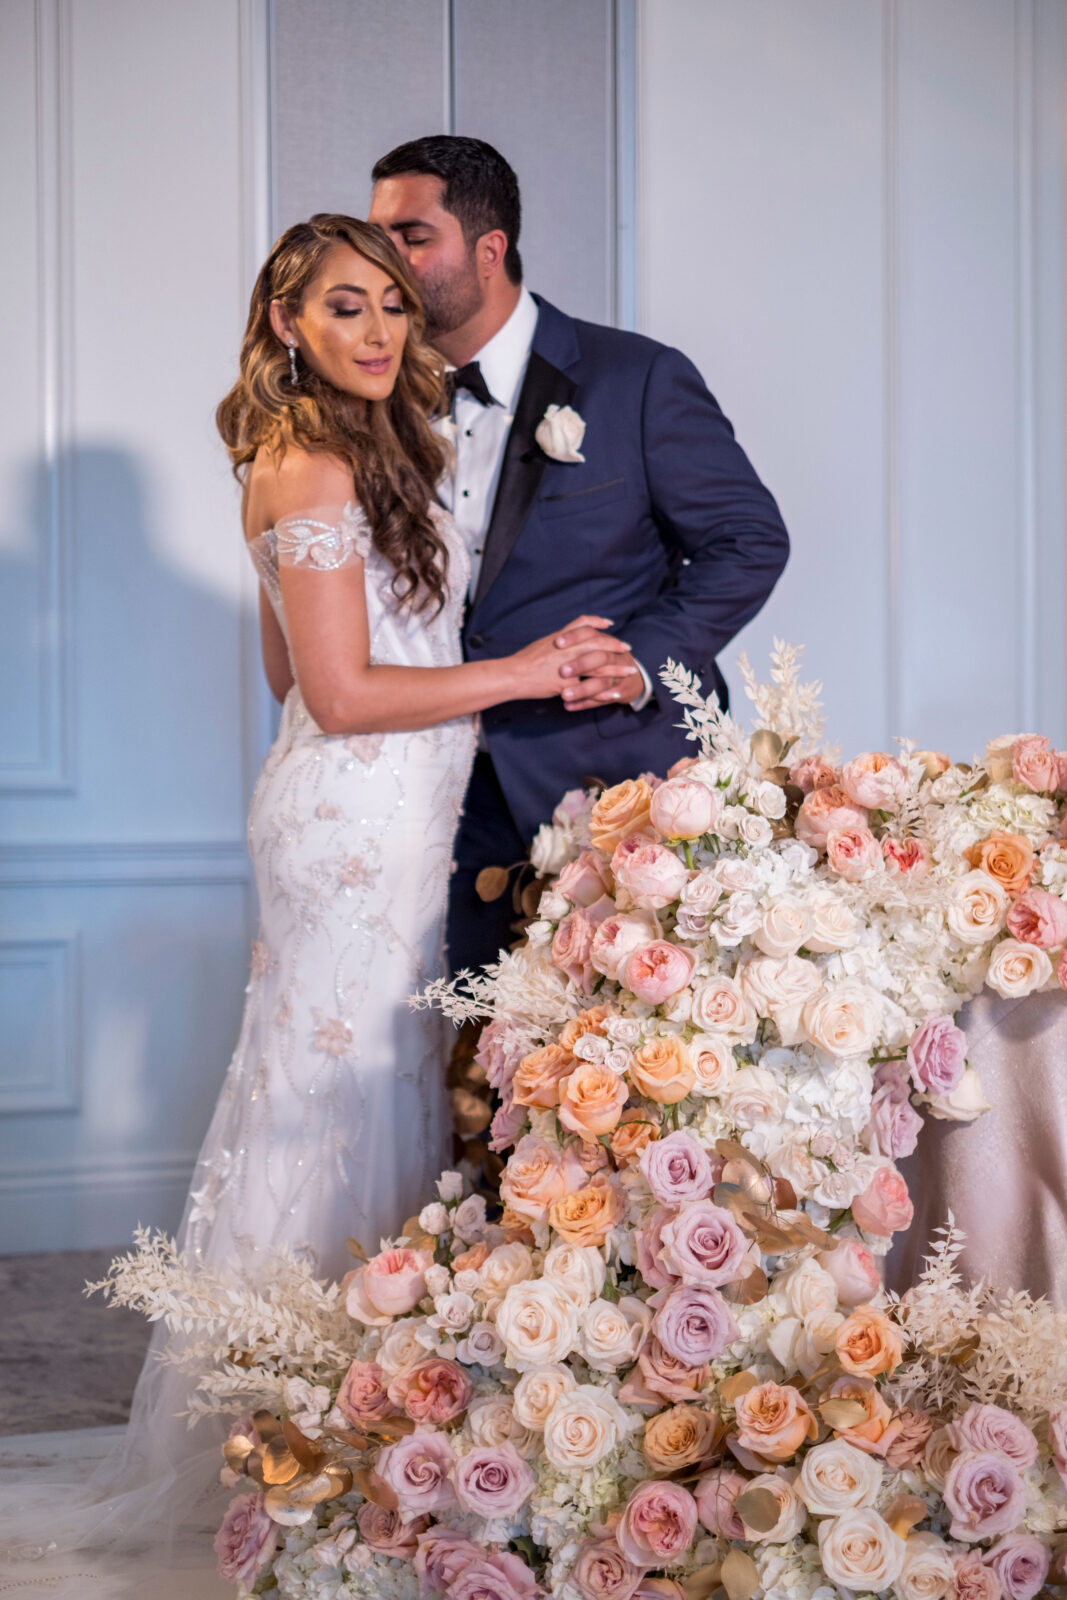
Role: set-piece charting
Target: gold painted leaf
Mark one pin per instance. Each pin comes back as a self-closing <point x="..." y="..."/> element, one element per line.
<point x="491" y="883"/>
<point x="236" y="1452"/>
<point x="354" y="1248"/>
<point x="841" y="1413"/>
<point x="371" y="1487"/>
<point x="279" y="1508"/>
<point x="279" y="1463"/>
<point x="530" y="899"/>
<point x="701" y="1584"/>
<point x="340" y="1476"/>
<point x="358" y="1441"/>
<point x="905" y="1513"/>
<point x="758" y="1509"/>
<point x="749" y="1290"/>
<point x="767" y="747"/>
<point x="740" y="1575"/>
<point x="393" y="1428"/>
<point x="731" y="1389"/>
<point x="307" y="1452"/>
<point x="266" y="1424"/>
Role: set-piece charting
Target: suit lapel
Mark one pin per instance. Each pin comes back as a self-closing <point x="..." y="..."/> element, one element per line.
<point x="524" y="462"/>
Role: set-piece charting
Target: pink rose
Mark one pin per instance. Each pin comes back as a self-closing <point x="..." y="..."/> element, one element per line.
<point x="676" y="1168"/>
<point x="703" y="1245"/>
<point x="1057" y="1433"/>
<point x="985" y="1495"/>
<point x="988" y="1428"/>
<point x="657" y="970"/>
<point x="684" y="808"/>
<point x="648" y="1243"/>
<point x="893" y="1128"/>
<point x="910" y="1443"/>
<point x="813" y="773"/>
<point x="662" y="1374"/>
<point x="391" y="1283"/>
<point x="853" y="853"/>
<point x="583" y="881"/>
<point x="507" y="1123"/>
<point x="1021" y="1563"/>
<point x="651" y="875"/>
<point x="973" y="1579"/>
<point x="501" y="1576"/>
<point x="854" y="1271"/>
<point x="884" y="1206"/>
<point x="1034" y="765"/>
<point x="434" y="1391"/>
<point x="658" y="1524"/>
<point x="573" y="942"/>
<point x="906" y="856"/>
<point x="937" y="1055"/>
<point x="500" y="1049"/>
<point x="441" y="1556"/>
<point x="715" y="1496"/>
<point x="362" y="1399"/>
<point x="617" y="937"/>
<point x="875" y="780"/>
<point x="694" y="1325"/>
<point x="493" y="1482"/>
<point x="246" y="1541"/>
<point x="825" y="811"/>
<point x="418" y="1469"/>
<point x="1040" y="918"/>
<point x="602" y="1572"/>
<point x="386" y="1532"/>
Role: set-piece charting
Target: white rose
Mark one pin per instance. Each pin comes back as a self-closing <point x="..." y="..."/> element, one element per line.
<point x="508" y="1264"/>
<point x="450" y="1185"/>
<point x="860" y="1551"/>
<point x="483" y="1346"/>
<point x="769" y="800"/>
<point x="537" y="1392"/>
<point x="583" y="1427"/>
<point x="468" y="1219"/>
<point x="753" y="1097"/>
<point x="837" y="1477"/>
<point x="466" y="1280"/>
<point x="739" y="917"/>
<point x="791" y="1514"/>
<point x="721" y="1008"/>
<point x="785" y="927"/>
<point x="626" y="1032"/>
<point x="538" y="1323"/>
<point x="712" y="1060"/>
<point x="979" y="908"/>
<point x="553" y="905"/>
<point x="734" y="874"/>
<point x="577" y="1269"/>
<point x="402" y="1346"/>
<point x="795" y="1163"/>
<point x="492" y="1422"/>
<point x="305" y="1403"/>
<point x="754" y="830"/>
<point x="434" y="1218"/>
<point x="1017" y="969"/>
<point x="807" y="1287"/>
<point x="560" y="433"/>
<point x="452" y="1313"/>
<point x="437" y="1280"/>
<point x="833" y="925"/>
<point x="552" y="848"/>
<point x="928" y="1572"/>
<point x="780" y="988"/>
<point x="837" y="1190"/>
<point x="963" y="1103"/>
<point x="612" y="1332"/>
<point x="844" y="1021"/>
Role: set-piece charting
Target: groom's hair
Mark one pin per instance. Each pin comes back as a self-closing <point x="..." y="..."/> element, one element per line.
<point x="481" y="190"/>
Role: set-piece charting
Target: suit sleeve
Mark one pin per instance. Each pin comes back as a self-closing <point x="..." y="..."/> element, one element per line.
<point x="722" y="527"/>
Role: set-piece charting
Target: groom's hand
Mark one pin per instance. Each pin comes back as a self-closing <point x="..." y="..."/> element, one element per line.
<point x="602" y="677"/>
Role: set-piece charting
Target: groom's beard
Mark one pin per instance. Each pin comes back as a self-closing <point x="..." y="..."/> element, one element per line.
<point x="450" y="298"/>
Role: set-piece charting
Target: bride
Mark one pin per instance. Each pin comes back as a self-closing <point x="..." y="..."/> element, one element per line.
<point x="332" y="1120"/>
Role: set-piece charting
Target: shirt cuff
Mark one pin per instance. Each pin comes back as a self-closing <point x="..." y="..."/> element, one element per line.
<point x="646" y="693"/>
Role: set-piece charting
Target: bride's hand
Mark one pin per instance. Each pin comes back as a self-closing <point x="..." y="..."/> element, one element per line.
<point x="538" y="668"/>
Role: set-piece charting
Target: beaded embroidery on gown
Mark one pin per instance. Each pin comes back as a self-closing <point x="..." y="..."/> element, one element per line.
<point x="333" y="1119"/>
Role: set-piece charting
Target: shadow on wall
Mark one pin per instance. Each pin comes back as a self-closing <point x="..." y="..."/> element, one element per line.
<point x="154" y="880"/>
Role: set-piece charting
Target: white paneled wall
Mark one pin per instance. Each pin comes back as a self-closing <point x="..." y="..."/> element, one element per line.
<point x="134" y="139"/>
<point x="850" y="212"/>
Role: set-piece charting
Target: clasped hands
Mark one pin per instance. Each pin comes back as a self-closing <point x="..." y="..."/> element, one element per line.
<point x="603" y="673"/>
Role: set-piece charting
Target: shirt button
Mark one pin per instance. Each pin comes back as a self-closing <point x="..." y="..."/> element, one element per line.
<point x="477" y="549"/>
<point x="469" y="433"/>
<point x="466" y="494"/>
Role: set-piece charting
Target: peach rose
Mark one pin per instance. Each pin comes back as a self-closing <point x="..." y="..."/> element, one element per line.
<point x="583" y="881"/>
<point x="661" y="1374"/>
<point x="812" y="773"/>
<point x="572" y="943"/>
<point x="1040" y="918"/>
<point x="785" y="927"/>
<point x="622" y="809"/>
<point x="876" y="781"/>
<point x="1034" y="764"/>
<point x="1017" y="969"/>
<point x="1006" y="857"/>
<point x="680" y="1437"/>
<point x="533" y="1177"/>
<point x="591" y="1099"/>
<point x="853" y="853"/>
<point x="825" y="810"/>
<point x="633" y="1134"/>
<point x="591" y="1020"/>
<point x="390" y="1284"/>
<point x="538" y="1076"/>
<point x="587" y="1216"/>
<point x="618" y="937"/>
<point x="714" y="1067"/>
<point x="723" y="1006"/>
<point x="978" y="908"/>
<point x="661" y="1070"/>
<point x="844" y="1020"/>
<point x="773" y="1421"/>
<point x="854" y="1271"/>
<point x="867" y="1343"/>
<point x="879" y="1429"/>
<point x="884" y="1207"/>
<point x="649" y="875"/>
<point x="656" y="971"/>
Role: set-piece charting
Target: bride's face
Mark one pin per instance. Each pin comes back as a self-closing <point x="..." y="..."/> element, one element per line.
<point x="351" y="327"/>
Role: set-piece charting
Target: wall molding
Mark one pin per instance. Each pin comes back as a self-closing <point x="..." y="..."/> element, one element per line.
<point x="891" y="356"/>
<point x="1026" y="357"/>
<point x="625" y="136"/>
<point x="91" y="1204"/>
<point x="58" y="1087"/>
<point x="155" y="864"/>
<point x="98" y="1175"/>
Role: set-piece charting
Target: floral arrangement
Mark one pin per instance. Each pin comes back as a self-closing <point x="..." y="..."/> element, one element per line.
<point x="669" y="1369"/>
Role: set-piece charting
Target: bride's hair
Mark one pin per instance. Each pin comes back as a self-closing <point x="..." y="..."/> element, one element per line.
<point x="395" y="455"/>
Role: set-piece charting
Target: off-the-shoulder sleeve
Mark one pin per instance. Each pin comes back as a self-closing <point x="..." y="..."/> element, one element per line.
<point x="325" y="538"/>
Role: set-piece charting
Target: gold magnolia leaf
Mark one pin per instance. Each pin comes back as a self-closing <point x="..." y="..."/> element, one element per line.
<point x="530" y="899"/>
<point x="309" y="1454"/>
<point x="965" y="1352"/>
<point x="253" y="1467"/>
<point x="749" y="1180"/>
<point x="266" y="1424"/>
<point x="767" y="747"/>
<point x="279" y="1508"/>
<point x="312" y="1490"/>
<point x="785" y="1196"/>
<point x="371" y="1487"/>
<point x="731" y="1389"/>
<point x="758" y="1509"/>
<point x="491" y="883"/>
<point x="749" y="1291"/>
<point x="279" y="1463"/>
<point x="904" y="1513"/>
<point x="354" y="1248"/>
<point x="841" y="1413"/>
<point x="358" y="1441"/>
<point x="702" y="1584"/>
<point x="236" y="1452"/>
<point x="340" y="1476"/>
<point x="393" y="1428"/>
<point x="740" y="1575"/>
<point x="731" y="1150"/>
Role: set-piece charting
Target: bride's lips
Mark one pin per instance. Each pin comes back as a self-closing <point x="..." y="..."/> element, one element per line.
<point x="380" y="364"/>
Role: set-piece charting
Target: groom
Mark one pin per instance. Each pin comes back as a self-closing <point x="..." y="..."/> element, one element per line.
<point x="653" y="516"/>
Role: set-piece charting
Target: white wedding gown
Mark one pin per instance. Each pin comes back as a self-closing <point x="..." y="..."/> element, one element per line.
<point x="333" y="1118"/>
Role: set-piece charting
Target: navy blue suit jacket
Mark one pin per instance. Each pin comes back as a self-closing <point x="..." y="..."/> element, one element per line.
<point x="665" y="528"/>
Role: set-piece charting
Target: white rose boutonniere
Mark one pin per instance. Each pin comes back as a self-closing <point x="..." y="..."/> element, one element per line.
<point x="560" y="433"/>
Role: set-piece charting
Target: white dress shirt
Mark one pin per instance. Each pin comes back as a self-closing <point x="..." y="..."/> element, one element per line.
<point x="479" y="434"/>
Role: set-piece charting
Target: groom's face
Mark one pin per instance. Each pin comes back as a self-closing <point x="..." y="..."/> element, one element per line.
<point x="431" y="241"/>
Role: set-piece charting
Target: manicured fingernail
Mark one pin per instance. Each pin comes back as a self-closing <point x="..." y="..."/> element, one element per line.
<point x="566" y="672"/>
<point x="562" y="640"/>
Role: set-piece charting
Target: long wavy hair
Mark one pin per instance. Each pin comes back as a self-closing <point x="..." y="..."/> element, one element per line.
<point x="395" y="455"/>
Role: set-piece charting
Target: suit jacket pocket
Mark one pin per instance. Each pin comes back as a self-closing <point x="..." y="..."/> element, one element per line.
<point x="576" y="502"/>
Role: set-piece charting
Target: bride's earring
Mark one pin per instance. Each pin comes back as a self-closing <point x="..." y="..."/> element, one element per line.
<point x="294" y="376"/>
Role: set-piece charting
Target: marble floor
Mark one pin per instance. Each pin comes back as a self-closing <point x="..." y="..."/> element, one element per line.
<point x="66" y="1361"/>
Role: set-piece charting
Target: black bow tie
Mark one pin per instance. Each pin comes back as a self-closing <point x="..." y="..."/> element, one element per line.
<point x="469" y="378"/>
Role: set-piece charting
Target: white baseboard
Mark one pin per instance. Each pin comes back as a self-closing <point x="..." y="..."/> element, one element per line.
<point x="91" y="1204"/>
